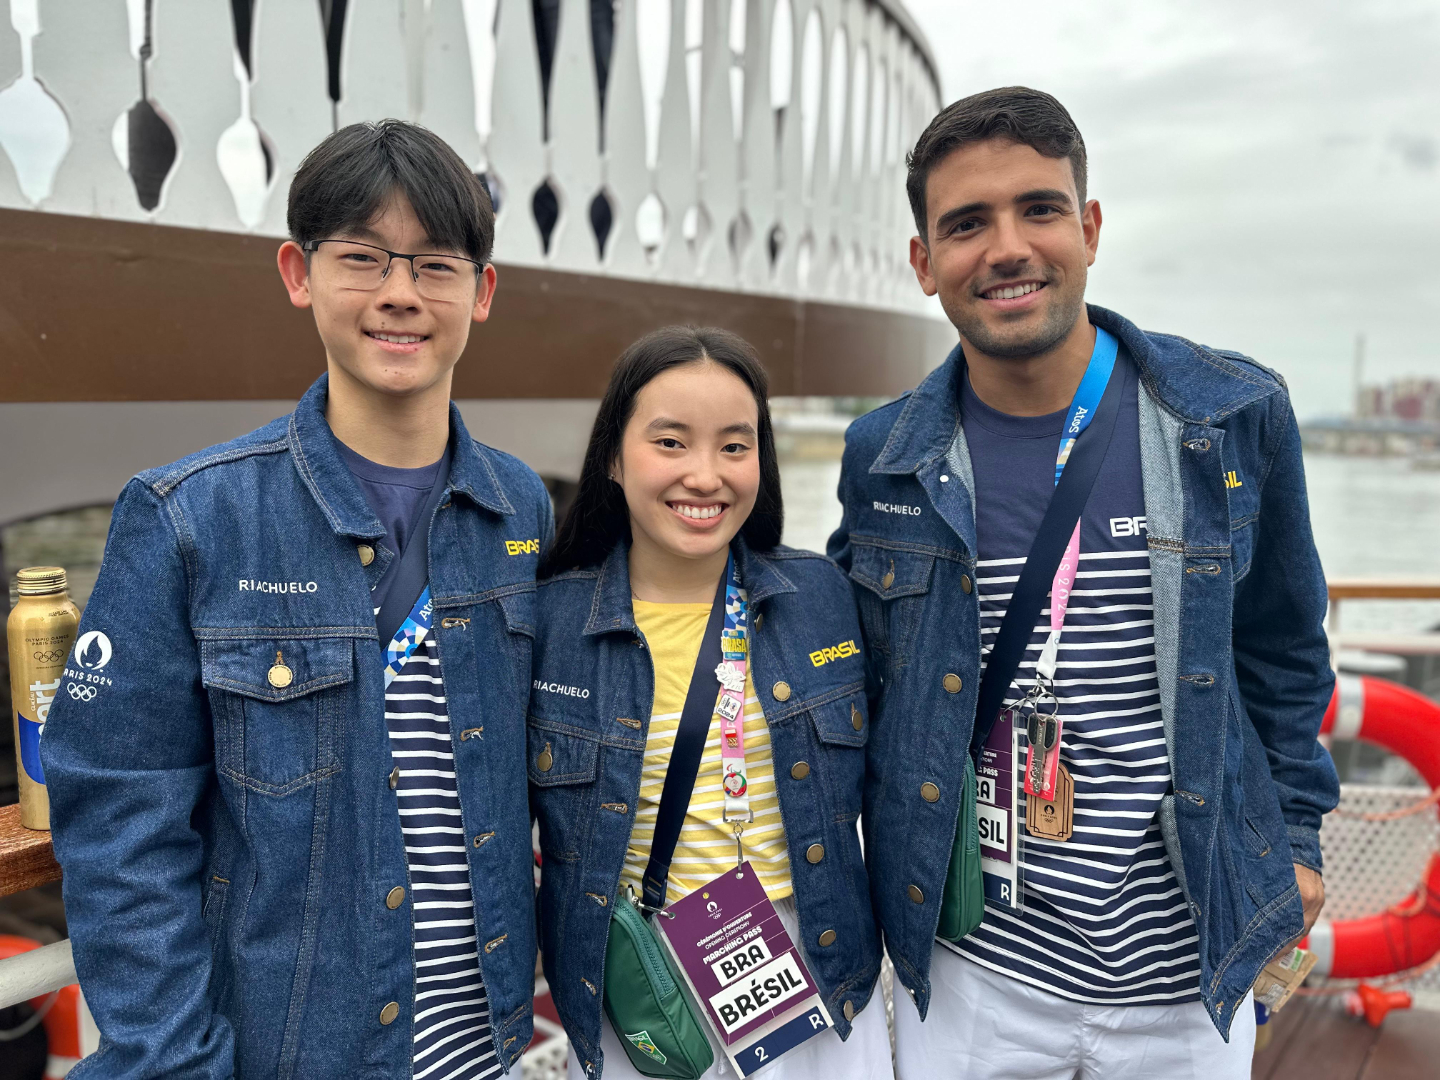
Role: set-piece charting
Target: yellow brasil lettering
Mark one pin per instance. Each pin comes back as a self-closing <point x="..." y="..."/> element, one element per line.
<point x="1233" y="481"/>
<point x="522" y="547"/>
<point x="820" y="657"/>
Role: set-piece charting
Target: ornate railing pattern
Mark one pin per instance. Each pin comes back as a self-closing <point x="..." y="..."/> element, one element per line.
<point x="753" y="145"/>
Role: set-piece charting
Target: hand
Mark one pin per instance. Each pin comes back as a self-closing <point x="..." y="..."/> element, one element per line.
<point x="1312" y="894"/>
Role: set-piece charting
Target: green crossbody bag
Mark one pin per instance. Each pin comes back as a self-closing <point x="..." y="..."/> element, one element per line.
<point x="962" y="905"/>
<point x="645" y="998"/>
<point x="646" y="1003"/>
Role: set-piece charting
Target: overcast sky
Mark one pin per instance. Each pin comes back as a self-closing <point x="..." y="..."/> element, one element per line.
<point x="1269" y="171"/>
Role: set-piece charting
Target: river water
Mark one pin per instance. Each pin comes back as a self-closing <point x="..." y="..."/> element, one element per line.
<point x="1372" y="517"/>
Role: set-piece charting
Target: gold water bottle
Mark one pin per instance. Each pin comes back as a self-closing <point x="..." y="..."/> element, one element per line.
<point x="41" y="632"/>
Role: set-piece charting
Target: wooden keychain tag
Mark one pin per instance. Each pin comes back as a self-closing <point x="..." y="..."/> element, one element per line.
<point x="1052" y="819"/>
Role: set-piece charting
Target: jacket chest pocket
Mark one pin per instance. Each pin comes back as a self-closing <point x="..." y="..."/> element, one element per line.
<point x="892" y="600"/>
<point x="561" y="764"/>
<point x="278" y="705"/>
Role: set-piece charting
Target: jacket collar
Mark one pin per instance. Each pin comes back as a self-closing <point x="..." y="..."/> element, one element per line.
<point x="314" y="448"/>
<point x="1193" y="383"/>
<point x="611" y="609"/>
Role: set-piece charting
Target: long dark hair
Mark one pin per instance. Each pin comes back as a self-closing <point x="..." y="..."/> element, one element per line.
<point x="599" y="518"/>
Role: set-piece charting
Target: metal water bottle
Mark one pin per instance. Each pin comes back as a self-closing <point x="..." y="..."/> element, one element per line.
<point x="41" y="632"/>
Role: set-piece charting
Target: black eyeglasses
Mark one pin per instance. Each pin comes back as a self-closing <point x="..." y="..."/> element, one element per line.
<point x="364" y="267"/>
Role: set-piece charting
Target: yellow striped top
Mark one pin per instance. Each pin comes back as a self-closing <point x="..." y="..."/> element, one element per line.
<point x="706" y="848"/>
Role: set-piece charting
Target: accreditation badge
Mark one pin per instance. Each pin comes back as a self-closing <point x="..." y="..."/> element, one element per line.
<point x="743" y="970"/>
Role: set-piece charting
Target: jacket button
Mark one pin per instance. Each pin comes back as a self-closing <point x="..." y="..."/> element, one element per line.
<point x="781" y="690"/>
<point x="395" y="778"/>
<point x="951" y="683"/>
<point x="849" y="1010"/>
<point x="965" y="583"/>
<point x="814" y="853"/>
<point x="800" y="770"/>
<point x="366" y="553"/>
<point x="280" y="675"/>
<point x="395" y="897"/>
<point x="545" y="760"/>
<point x="856" y="720"/>
<point x="759" y="620"/>
<point x="929" y="792"/>
<point x="827" y="939"/>
<point x="888" y="579"/>
<point x="915" y="894"/>
<point x="389" y="1013"/>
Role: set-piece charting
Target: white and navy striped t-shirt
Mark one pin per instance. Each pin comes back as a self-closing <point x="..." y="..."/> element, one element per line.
<point x="452" y="1033"/>
<point x="452" y="1015"/>
<point x="1104" y="920"/>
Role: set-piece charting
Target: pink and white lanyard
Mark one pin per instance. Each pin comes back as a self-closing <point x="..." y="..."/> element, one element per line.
<point x="1041" y="770"/>
<point x="734" y="657"/>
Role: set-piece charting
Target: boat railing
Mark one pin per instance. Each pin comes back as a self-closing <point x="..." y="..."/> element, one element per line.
<point x="746" y="145"/>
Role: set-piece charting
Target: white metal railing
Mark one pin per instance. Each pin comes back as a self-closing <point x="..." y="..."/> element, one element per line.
<point x="744" y="144"/>
<point x="37" y="972"/>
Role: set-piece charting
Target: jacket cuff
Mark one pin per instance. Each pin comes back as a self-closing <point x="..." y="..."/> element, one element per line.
<point x="1305" y="846"/>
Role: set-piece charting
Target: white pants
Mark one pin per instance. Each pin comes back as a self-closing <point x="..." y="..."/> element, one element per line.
<point x="865" y="1055"/>
<point x="985" y="1026"/>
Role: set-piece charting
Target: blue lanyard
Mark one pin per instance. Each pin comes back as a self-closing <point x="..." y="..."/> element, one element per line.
<point x="408" y="638"/>
<point x="1087" y="395"/>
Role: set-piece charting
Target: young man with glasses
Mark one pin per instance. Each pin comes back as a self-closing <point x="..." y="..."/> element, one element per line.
<point x="293" y="821"/>
<point x="1171" y="668"/>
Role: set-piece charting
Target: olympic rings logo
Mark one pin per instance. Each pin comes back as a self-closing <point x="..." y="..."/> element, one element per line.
<point x="49" y="656"/>
<point x="82" y="693"/>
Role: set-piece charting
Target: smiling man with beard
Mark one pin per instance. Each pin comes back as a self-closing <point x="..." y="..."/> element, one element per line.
<point x="1168" y="675"/>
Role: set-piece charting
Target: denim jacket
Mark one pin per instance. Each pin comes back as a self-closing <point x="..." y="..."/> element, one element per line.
<point x="227" y="829"/>
<point x="1239" y="639"/>
<point x="587" y="644"/>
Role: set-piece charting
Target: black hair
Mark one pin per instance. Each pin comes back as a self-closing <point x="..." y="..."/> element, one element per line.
<point x="1017" y="113"/>
<point x="345" y="182"/>
<point x="598" y="519"/>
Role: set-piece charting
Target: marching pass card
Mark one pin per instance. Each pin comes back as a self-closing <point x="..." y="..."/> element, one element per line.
<point x="744" y="971"/>
<point x="997" y="807"/>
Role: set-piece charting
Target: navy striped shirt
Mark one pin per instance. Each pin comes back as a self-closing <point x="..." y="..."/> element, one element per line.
<point x="452" y="1015"/>
<point x="1104" y="920"/>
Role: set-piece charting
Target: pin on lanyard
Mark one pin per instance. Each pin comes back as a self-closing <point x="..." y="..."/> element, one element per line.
<point x="1041" y="705"/>
<point x="734" y="658"/>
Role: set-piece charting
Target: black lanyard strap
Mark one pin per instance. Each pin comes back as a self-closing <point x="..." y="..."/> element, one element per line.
<point x="690" y="739"/>
<point x="1053" y="536"/>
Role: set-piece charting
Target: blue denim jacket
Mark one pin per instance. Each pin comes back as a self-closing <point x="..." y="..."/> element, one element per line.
<point x="229" y="839"/>
<point x="1239" y="639"/>
<point x="587" y="642"/>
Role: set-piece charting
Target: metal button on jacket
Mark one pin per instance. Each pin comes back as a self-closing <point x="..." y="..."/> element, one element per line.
<point x="827" y="938"/>
<point x="951" y="683"/>
<point x="849" y="1010"/>
<point x="800" y="770"/>
<point x="280" y="675"/>
<point x="965" y="583"/>
<point x="395" y="897"/>
<point x="888" y="579"/>
<point x="781" y="690"/>
<point x="390" y="1012"/>
<point x="916" y="894"/>
<point x="856" y="720"/>
<point x="929" y="792"/>
<point x="394" y="777"/>
<point x="366" y="553"/>
<point x="814" y="853"/>
<point x="545" y="760"/>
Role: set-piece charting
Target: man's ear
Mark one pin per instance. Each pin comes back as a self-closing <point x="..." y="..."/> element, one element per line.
<point x="294" y="273"/>
<point x="1090" y="219"/>
<point x="920" y="261"/>
<point x="485" y="294"/>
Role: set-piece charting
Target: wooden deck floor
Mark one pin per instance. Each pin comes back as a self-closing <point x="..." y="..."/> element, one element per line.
<point x="1315" y="1040"/>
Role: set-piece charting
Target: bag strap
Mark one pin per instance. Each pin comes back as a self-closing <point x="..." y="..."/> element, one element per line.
<point x="690" y="738"/>
<point x="1051" y="539"/>
<point x="414" y="569"/>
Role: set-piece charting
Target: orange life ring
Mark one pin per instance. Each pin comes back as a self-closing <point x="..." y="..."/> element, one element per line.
<point x="62" y="1015"/>
<point x="1405" y="723"/>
